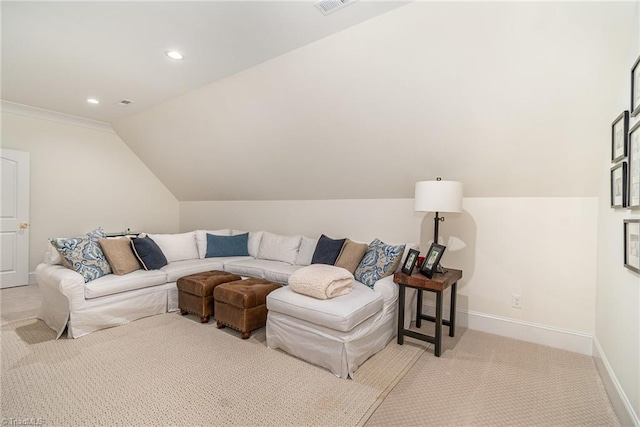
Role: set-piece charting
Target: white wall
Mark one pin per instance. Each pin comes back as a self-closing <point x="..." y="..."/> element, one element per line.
<point x="84" y="178"/>
<point x="541" y="248"/>
<point x="617" y="338"/>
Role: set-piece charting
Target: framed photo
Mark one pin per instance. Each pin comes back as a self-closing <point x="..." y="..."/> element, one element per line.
<point x="619" y="137"/>
<point x="632" y="244"/>
<point x="410" y="262"/>
<point x="619" y="186"/>
<point x="634" y="167"/>
<point x="635" y="88"/>
<point x="432" y="260"/>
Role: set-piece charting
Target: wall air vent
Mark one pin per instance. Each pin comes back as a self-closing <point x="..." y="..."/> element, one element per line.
<point x="330" y="6"/>
<point x="125" y="102"/>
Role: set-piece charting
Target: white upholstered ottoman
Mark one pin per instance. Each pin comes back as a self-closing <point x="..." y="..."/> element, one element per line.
<point x="338" y="334"/>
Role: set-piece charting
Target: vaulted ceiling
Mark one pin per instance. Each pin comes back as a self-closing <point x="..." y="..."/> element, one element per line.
<point x="511" y="98"/>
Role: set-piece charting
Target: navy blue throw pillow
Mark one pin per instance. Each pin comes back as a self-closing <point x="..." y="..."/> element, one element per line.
<point x="327" y="250"/>
<point x="148" y="253"/>
<point x="227" y="245"/>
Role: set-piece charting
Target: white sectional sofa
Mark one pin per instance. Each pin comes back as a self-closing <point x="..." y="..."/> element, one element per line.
<point x="365" y="317"/>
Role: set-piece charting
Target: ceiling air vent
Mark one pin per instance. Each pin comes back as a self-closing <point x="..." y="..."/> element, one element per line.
<point x="125" y="102"/>
<point x="330" y="6"/>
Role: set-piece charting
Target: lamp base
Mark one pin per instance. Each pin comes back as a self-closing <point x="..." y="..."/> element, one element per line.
<point x="440" y="269"/>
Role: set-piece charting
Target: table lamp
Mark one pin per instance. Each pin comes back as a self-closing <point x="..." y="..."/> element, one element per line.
<point x="438" y="196"/>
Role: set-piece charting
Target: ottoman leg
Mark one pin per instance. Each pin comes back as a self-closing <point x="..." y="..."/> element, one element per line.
<point x="220" y="325"/>
<point x="245" y="335"/>
<point x="204" y="319"/>
<point x="184" y="312"/>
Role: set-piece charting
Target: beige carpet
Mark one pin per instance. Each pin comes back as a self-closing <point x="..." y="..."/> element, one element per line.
<point x="487" y="380"/>
<point x="170" y="370"/>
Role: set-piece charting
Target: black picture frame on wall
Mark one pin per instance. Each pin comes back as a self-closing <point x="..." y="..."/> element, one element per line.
<point x="635" y="88"/>
<point x="619" y="185"/>
<point x="620" y="137"/>
<point x="633" y="200"/>
<point x="432" y="260"/>
<point x="632" y="244"/>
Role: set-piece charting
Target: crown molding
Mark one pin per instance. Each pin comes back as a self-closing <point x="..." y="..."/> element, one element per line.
<point x="54" y="116"/>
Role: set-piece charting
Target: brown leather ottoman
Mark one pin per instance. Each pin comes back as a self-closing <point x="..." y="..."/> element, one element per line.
<point x="242" y="305"/>
<point x="195" y="292"/>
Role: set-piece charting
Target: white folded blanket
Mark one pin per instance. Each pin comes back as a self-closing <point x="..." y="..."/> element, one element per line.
<point x="321" y="281"/>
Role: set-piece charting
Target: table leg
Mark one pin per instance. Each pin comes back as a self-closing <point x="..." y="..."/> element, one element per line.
<point x="401" y="314"/>
<point x="452" y="313"/>
<point x="438" y="340"/>
<point x="419" y="309"/>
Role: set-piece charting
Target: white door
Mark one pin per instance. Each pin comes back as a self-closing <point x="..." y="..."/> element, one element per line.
<point x="14" y="218"/>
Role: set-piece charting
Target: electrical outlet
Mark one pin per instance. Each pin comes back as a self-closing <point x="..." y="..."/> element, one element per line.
<point x="516" y="301"/>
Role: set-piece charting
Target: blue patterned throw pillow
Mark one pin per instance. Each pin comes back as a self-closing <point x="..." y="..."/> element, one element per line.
<point x="380" y="260"/>
<point x="84" y="255"/>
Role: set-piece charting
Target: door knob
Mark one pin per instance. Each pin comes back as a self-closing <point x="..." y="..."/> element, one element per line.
<point x="24" y="225"/>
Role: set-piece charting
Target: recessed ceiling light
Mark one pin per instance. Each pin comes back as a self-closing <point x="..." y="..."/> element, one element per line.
<point x="174" y="54"/>
<point x="93" y="101"/>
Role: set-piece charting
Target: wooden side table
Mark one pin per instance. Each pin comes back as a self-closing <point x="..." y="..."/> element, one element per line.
<point x="437" y="284"/>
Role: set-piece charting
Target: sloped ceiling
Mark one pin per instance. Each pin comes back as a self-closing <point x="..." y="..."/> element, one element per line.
<point x="511" y="98"/>
<point x="55" y="54"/>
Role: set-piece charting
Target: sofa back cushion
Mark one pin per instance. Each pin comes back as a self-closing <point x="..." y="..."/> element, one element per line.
<point x="148" y="253"/>
<point x="120" y="255"/>
<point x="279" y="248"/>
<point x="201" y="239"/>
<point x="177" y="247"/>
<point x="305" y="253"/>
<point x="327" y="250"/>
<point x="219" y="246"/>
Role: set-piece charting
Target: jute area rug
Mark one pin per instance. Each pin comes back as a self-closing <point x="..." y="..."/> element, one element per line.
<point x="171" y="370"/>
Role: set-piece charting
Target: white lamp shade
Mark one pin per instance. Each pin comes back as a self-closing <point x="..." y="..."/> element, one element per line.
<point x="438" y="196"/>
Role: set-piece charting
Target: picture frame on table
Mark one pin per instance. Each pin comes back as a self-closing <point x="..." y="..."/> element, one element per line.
<point x="410" y="262"/>
<point x="619" y="185"/>
<point x="620" y="137"/>
<point x="635" y="88"/>
<point x="432" y="260"/>
<point x="632" y="244"/>
<point x="634" y="167"/>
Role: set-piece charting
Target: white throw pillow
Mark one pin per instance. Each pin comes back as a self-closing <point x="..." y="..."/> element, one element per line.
<point x="177" y="247"/>
<point x="253" y="243"/>
<point x="201" y="239"/>
<point x="305" y="253"/>
<point x="279" y="248"/>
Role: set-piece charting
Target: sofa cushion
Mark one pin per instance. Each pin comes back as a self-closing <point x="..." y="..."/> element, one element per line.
<point x="83" y="254"/>
<point x="381" y="260"/>
<point x="253" y="245"/>
<point x="178" y="269"/>
<point x="327" y="250"/>
<point x="222" y="246"/>
<point x="351" y="255"/>
<point x="201" y="239"/>
<point x="279" y="248"/>
<point x="120" y="255"/>
<point x="148" y="253"/>
<point x="341" y="314"/>
<point x="113" y="284"/>
<point x="305" y="253"/>
<point x="177" y="247"/>
<point x="245" y="267"/>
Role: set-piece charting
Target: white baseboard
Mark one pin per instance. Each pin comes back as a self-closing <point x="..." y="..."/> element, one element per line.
<point x="577" y="342"/>
<point x="622" y="406"/>
<point x="32" y="278"/>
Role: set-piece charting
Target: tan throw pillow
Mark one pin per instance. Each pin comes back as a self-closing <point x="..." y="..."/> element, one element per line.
<point x="351" y="255"/>
<point x="120" y="255"/>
